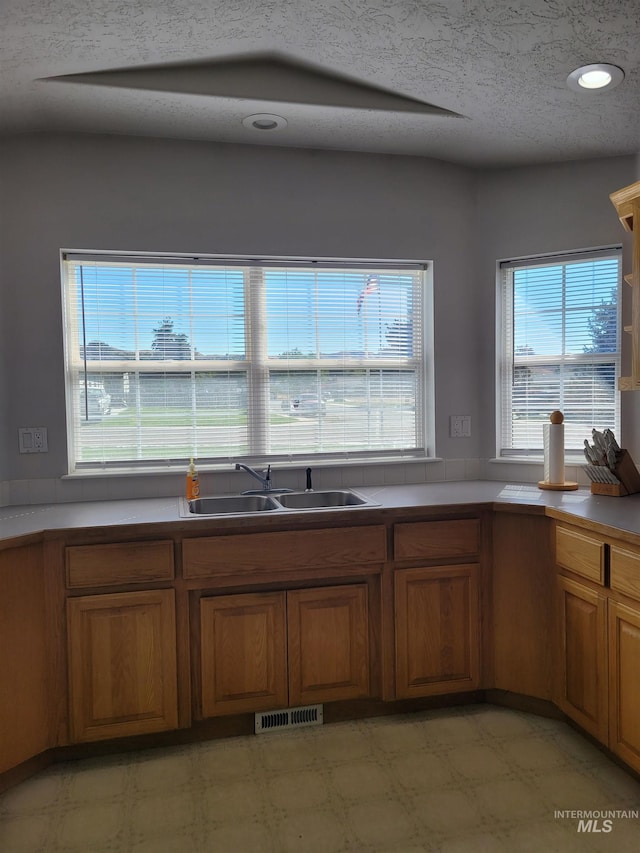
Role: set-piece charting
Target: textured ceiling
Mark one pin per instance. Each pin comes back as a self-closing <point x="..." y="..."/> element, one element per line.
<point x="477" y="83"/>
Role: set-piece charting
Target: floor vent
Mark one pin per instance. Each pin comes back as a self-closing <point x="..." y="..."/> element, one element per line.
<point x="288" y="718"/>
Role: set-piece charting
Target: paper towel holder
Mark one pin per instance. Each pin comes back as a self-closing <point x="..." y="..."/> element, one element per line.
<point x="556" y="418"/>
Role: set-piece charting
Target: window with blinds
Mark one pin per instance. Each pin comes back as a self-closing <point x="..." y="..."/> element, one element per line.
<point x="169" y="358"/>
<point x="560" y="348"/>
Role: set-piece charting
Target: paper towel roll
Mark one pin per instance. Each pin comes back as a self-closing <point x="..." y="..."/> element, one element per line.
<point x="553" y="436"/>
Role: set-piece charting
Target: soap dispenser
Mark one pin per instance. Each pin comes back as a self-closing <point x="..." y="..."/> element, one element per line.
<point x="193" y="482"/>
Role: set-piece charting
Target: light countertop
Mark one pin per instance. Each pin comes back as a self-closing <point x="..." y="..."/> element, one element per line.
<point x="619" y="514"/>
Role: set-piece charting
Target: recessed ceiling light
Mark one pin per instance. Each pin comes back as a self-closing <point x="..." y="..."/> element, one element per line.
<point x="592" y="77"/>
<point x="264" y="121"/>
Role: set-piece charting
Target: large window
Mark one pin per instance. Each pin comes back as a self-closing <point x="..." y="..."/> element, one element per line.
<point x="171" y="358"/>
<point x="559" y="349"/>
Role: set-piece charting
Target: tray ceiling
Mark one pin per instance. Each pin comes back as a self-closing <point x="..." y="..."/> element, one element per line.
<point x="481" y="84"/>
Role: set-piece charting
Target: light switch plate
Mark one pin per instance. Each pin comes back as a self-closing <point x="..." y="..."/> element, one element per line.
<point x="460" y="426"/>
<point x="33" y="440"/>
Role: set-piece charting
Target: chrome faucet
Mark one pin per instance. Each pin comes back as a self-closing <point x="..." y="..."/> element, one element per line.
<point x="265" y="481"/>
<point x="263" y="478"/>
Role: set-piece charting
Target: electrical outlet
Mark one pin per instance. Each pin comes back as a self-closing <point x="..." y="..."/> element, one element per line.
<point x="33" y="440"/>
<point x="40" y="439"/>
<point x="460" y="426"/>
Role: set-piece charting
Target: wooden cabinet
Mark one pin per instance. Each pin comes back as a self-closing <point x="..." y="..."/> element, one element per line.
<point x="389" y="610"/>
<point x="328" y="633"/>
<point x="599" y="634"/>
<point x="521" y="590"/>
<point x="624" y="568"/>
<point x="437" y="540"/>
<point x="582" y="672"/>
<point x="243" y="649"/>
<point x="624" y="682"/>
<point x="25" y="647"/>
<point x="247" y="555"/>
<point x="580" y="553"/>
<point x="627" y="204"/>
<point x="437" y="630"/>
<point x="624" y="653"/>
<point x="270" y="650"/>
<point x="119" y="563"/>
<point x="122" y="664"/>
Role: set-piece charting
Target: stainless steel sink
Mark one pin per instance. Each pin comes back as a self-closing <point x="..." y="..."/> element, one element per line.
<point x="276" y="502"/>
<point x="323" y="500"/>
<point x="227" y="505"/>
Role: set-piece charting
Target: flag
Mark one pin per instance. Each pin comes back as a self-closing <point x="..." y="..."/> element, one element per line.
<point x="372" y="285"/>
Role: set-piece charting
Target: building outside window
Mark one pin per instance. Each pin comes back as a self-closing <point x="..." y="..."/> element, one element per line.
<point x="172" y="357"/>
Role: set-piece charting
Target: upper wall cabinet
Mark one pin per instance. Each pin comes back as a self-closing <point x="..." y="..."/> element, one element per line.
<point x="627" y="204"/>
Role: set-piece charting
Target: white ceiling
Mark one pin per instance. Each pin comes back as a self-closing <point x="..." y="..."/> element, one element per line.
<point x="476" y="83"/>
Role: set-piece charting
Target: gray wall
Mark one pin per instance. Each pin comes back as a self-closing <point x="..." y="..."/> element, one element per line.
<point x="4" y="396"/>
<point x="538" y="210"/>
<point x="159" y="195"/>
<point x="120" y="193"/>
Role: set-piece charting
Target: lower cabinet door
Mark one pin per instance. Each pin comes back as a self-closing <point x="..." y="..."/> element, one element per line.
<point x="582" y="677"/>
<point x="122" y="664"/>
<point x="328" y="644"/>
<point x="437" y="630"/>
<point x="624" y="682"/>
<point x="243" y="653"/>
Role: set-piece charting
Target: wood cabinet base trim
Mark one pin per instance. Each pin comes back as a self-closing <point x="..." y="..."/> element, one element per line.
<point x="334" y="712"/>
<point x="30" y="767"/>
<point x="528" y="704"/>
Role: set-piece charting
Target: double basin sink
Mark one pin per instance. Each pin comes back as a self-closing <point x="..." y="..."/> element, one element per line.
<point x="275" y="502"/>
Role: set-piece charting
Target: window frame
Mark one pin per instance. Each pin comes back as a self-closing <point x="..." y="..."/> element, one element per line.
<point x="425" y="421"/>
<point x="505" y="347"/>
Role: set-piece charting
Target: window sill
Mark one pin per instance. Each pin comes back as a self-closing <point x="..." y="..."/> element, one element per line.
<point x="225" y="468"/>
<point x="538" y="460"/>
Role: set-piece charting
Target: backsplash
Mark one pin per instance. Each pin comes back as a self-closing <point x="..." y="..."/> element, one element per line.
<point x="32" y="492"/>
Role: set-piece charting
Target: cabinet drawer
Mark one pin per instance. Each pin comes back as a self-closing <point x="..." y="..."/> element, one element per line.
<point x="581" y="554"/>
<point x="119" y="563"/>
<point x="435" y="540"/>
<point x="285" y="550"/>
<point x="625" y="571"/>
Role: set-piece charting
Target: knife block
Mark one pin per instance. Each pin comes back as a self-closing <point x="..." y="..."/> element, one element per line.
<point x="628" y="475"/>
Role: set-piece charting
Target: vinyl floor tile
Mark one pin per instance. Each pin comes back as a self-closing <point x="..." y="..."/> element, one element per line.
<point x="476" y="779"/>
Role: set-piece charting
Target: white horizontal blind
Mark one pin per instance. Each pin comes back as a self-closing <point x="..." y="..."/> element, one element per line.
<point x="560" y="348"/>
<point x="172" y="358"/>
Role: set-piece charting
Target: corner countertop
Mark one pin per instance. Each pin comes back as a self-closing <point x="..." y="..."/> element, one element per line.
<point x="19" y="524"/>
